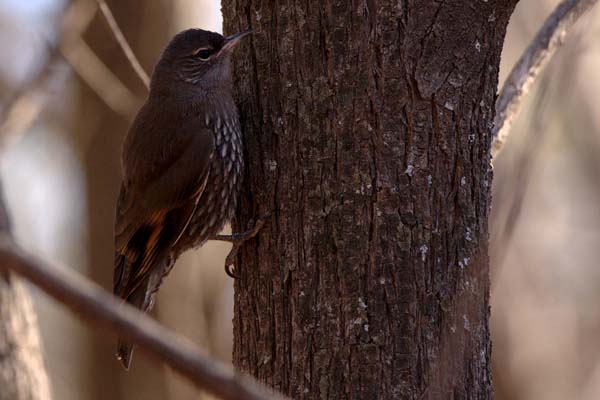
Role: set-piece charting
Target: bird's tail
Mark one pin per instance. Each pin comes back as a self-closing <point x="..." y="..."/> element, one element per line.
<point x="124" y="353"/>
<point x="143" y="298"/>
<point x="139" y="299"/>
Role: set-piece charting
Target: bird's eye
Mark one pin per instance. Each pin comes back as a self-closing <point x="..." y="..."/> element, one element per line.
<point x="203" y="53"/>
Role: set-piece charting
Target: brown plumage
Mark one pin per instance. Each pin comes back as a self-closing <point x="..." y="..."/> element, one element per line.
<point x="182" y="165"/>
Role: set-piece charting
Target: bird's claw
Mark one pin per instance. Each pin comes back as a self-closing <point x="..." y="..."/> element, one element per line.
<point x="237" y="239"/>
<point x="231" y="272"/>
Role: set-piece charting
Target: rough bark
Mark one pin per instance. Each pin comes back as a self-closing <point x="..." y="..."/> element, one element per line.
<point x="367" y="127"/>
<point x="22" y="372"/>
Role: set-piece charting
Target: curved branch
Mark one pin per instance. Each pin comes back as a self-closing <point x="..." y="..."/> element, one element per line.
<point x="28" y="102"/>
<point x="549" y="38"/>
<point x="88" y="65"/>
<point x="114" y="27"/>
<point x="99" y="307"/>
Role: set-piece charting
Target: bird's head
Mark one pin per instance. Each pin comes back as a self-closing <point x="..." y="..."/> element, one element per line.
<point x="197" y="57"/>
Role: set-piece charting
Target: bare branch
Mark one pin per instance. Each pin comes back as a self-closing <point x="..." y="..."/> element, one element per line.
<point x="549" y="38"/>
<point x="99" y="307"/>
<point x="88" y="66"/>
<point x="28" y="101"/>
<point x="23" y="108"/>
<point x="525" y="162"/>
<point x="114" y="27"/>
<point x="99" y="77"/>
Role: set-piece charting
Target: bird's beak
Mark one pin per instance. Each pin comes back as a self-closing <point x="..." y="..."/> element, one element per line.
<point x="232" y="41"/>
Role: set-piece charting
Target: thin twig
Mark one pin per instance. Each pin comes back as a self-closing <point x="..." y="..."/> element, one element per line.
<point x="99" y="77"/>
<point x="525" y="163"/>
<point x="549" y="38"/>
<point x="99" y="307"/>
<point x="114" y="27"/>
<point x="86" y="63"/>
<point x="558" y="78"/>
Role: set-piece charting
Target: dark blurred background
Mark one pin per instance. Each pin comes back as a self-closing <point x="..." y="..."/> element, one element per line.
<point x="67" y="96"/>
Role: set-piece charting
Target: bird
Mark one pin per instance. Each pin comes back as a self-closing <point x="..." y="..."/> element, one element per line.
<point x="182" y="165"/>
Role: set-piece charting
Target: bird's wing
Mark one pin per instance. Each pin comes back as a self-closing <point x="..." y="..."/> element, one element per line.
<point x="158" y="199"/>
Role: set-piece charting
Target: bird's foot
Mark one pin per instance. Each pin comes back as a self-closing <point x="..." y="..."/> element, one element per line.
<point x="237" y="239"/>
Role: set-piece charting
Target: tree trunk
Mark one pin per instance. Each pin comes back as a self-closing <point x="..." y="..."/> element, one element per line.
<point x="22" y="372"/>
<point x="367" y="127"/>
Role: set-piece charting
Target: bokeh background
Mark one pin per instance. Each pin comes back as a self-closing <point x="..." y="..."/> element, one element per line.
<point x="60" y="166"/>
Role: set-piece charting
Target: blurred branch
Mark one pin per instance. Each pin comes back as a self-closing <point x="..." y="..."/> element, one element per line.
<point x="101" y="308"/>
<point x="22" y="372"/>
<point x="526" y="160"/>
<point x="88" y="66"/>
<point x="29" y="100"/>
<point x="549" y="38"/>
<point x="114" y="27"/>
<point x="27" y="103"/>
<point x="558" y="78"/>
